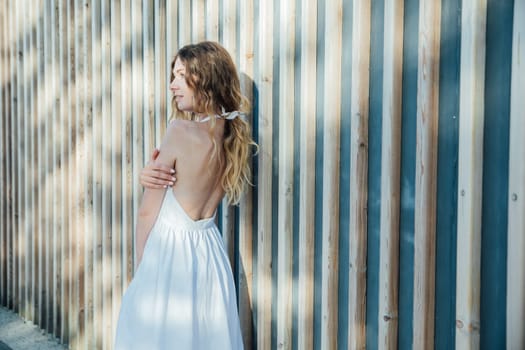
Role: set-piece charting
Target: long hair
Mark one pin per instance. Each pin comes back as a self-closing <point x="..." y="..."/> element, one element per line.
<point x="211" y="74"/>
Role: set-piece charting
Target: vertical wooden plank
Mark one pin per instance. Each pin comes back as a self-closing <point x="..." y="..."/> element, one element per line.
<point x="64" y="160"/>
<point x="198" y="24"/>
<point x="137" y="67"/>
<point x="48" y="115"/>
<point x="332" y="121"/>
<point x="55" y="137"/>
<point x="264" y="199"/>
<point x="516" y="240"/>
<point x="137" y="59"/>
<point x="212" y="20"/>
<point x="172" y="45"/>
<point x="116" y="163"/>
<point x="15" y="127"/>
<point x="26" y="167"/>
<point x="71" y="179"/>
<point x="426" y="162"/>
<point x="11" y="112"/>
<point x="3" y="150"/>
<point x="40" y="169"/>
<point x="7" y="133"/>
<point x="470" y="170"/>
<point x="19" y="194"/>
<point x="91" y="197"/>
<point x="148" y="51"/>
<point x="81" y="96"/>
<point x="127" y="192"/>
<point x="426" y="158"/>
<point x="245" y="286"/>
<point x="308" y="71"/>
<point x="161" y="72"/>
<point x="184" y="29"/>
<point x="95" y="164"/>
<point x="359" y="180"/>
<point x="228" y="26"/>
<point x="32" y="178"/>
<point x="285" y="184"/>
<point x="390" y="179"/>
<point x="106" y="188"/>
<point x="117" y="234"/>
<point x="13" y="276"/>
<point x="228" y="41"/>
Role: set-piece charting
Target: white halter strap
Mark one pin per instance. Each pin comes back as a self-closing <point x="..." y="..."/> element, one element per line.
<point x="226" y="115"/>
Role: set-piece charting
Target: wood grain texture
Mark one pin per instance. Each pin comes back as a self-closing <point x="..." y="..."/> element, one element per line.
<point x="390" y="179"/>
<point x="3" y="149"/>
<point x="331" y="162"/>
<point x="359" y="180"/>
<point x="426" y="173"/>
<point x="246" y="210"/>
<point x="285" y="185"/>
<point x="516" y="202"/>
<point x="308" y="86"/>
<point x="265" y="85"/>
<point x="470" y="180"/>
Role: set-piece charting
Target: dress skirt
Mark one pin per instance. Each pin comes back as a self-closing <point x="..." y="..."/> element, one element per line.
<point x="183" y="294"/>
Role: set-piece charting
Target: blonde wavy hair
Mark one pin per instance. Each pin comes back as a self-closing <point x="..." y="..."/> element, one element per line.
<point x="211" y="74"/>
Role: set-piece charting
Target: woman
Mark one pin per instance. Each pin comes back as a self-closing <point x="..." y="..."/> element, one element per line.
<point x="183" y="295"/>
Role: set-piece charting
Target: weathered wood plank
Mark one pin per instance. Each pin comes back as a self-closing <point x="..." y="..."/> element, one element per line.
<point x="330" y="201"/>
<point x="117" y="194"/>
<point x="246" y="236"/>
<point x="470" y="170"/>
<point x="285" y="185"/>
<point x="361" y="25"/>
<point x="516" y="224"/>
<point x="229" y="42"/>
<point x="96" y="232"/>
<point x="265" y="86"/>
<point x="308" y="88"/>
<point x="212" y="19"/>
<point x="198" y="21"/>
<point x="426" y="163"/>
<point x="184" y="26"/>
<point x="4" y="147"/>
<point x="390" y="177"/>
<point x="106" y="313"/>
<point x="40" y="169"/>
<point x="64" y="161"/>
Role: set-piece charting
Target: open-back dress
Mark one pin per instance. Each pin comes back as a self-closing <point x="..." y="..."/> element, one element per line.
<point x="183" y="294"/>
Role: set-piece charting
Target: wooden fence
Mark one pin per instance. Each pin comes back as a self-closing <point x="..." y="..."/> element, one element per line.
<point x="389" y="202"/>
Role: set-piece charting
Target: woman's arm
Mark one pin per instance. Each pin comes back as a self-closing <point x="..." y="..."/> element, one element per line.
<point x="152" y="198"/>
<point x="155" y="174"/>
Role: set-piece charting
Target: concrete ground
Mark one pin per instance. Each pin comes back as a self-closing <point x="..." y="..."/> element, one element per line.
<point x="17" y="334"/>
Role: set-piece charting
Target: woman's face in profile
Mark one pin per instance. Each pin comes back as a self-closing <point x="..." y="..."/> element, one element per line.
<point x="183" y="94"/>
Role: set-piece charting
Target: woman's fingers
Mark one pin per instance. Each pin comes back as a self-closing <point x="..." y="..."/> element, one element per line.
<point x="156" y="174"/>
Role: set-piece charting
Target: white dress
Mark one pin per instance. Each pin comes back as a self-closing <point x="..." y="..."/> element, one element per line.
<point x="182" y="295"/>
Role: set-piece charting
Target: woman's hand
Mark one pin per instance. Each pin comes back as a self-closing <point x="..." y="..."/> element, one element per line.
<point x="155" y="174"/>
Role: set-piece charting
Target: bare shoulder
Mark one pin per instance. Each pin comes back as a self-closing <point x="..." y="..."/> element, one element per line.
<point x="186" y="132"/>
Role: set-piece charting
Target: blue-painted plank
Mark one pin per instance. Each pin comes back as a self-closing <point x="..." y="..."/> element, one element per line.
<point x="319" y="148"/>
<point x="374" y="172"/>
<point x="344" y="177"/>
<point x="407" y="175"/>
<point x="446" y="222"/>
<point x="296" y="172"/>
<point x="275" y="166"/>
<point x="495" y="174"/>
<point x="255" y="199"/>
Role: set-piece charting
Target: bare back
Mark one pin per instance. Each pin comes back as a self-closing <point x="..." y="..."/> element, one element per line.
<point x="189" y="146"/>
